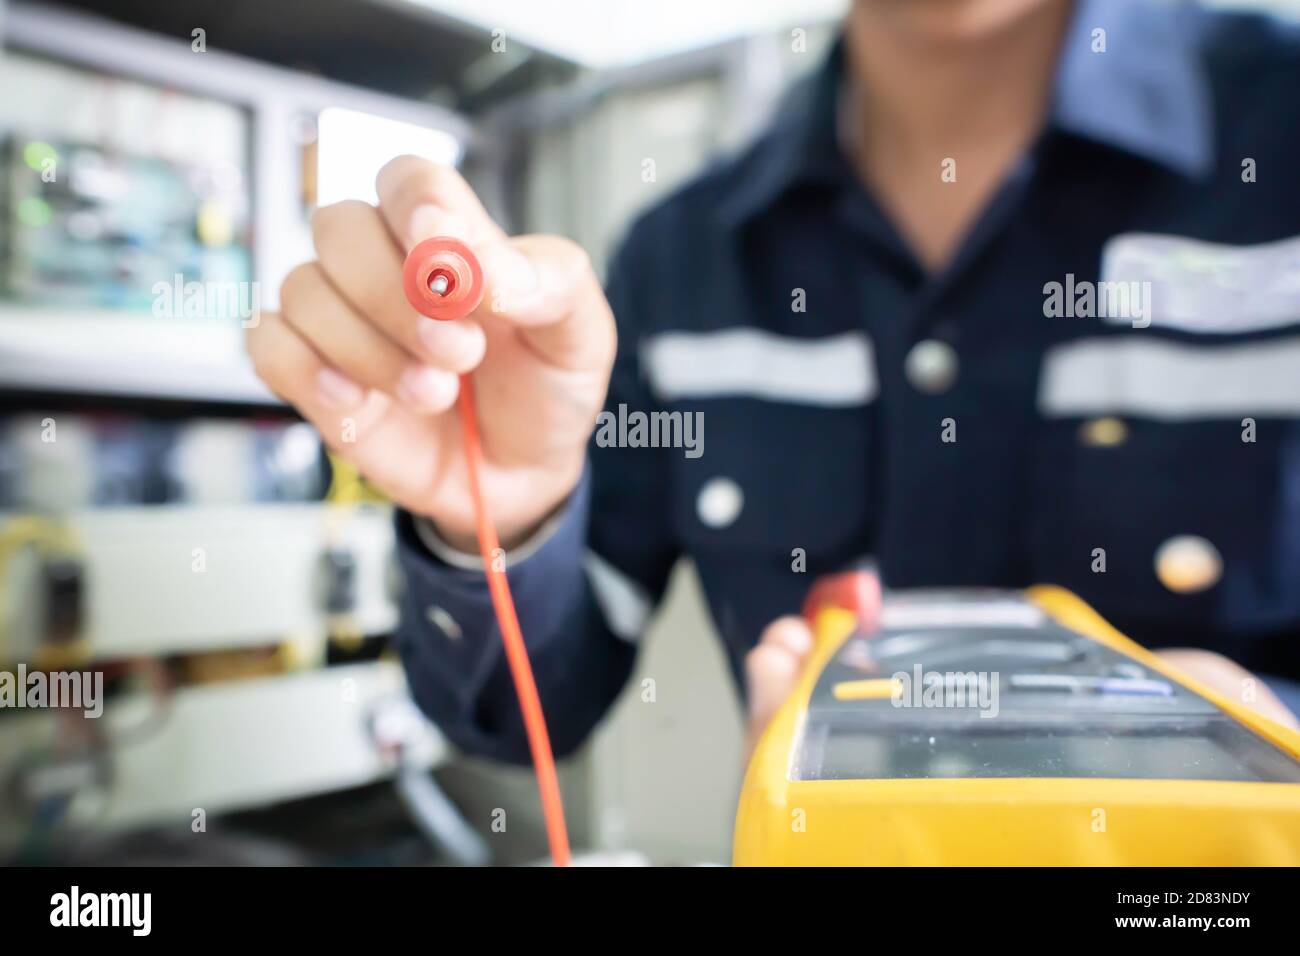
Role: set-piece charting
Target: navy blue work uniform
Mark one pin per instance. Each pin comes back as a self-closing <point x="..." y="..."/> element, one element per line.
<point x="1101" y="390"/>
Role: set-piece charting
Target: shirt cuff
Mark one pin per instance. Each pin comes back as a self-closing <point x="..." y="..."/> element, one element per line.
<point x="444" y="552"/>
<point x="544" y="587"/>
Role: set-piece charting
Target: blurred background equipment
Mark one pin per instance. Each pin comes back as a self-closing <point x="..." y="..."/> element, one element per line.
<point x="116" y="185"/>
<point x="164" y="521"/>
<point x="168" y="523"/>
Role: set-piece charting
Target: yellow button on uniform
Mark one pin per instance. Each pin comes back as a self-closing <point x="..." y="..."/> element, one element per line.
<point x="1188" y="563"/>
<point x="1103" y="432"/>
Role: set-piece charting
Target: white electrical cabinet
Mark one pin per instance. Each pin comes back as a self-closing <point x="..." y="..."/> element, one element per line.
<point x="184" y="579"/>
<point x="229" y="746"/>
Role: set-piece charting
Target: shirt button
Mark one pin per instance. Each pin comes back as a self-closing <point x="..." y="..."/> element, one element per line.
<point x="931" y="366"/>
<point x="1188" y="563"/>
<point x="1103" y="432"/>
<point x="719" y="502"/>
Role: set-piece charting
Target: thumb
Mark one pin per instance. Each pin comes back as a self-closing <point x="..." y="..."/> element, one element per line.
<point x="772" y="670"/>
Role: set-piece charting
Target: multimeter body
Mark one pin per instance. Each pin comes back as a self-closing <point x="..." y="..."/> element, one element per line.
<point x="1009" y="728"/>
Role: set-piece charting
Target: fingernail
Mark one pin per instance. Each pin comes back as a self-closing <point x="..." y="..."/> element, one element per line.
<point x="337" y="390"/>
<point x="455" y="345"/>
<point x="427" y="388"/>
<point x="509" y="268"/>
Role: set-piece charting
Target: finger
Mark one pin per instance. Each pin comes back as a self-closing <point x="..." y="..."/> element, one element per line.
<point x="792" y="634"/>
<point x="772" y="668"/>
<point x="771" y="673"/>
<point x="295" y="372"/>
<point x="1272" y="707"/>
<point x="357" y="348"/>
<point x="565" y="318"/>
<point x="364" y="264"/>
<point x="1230" y="679"/>
<point x="510" y="277"/>
<point x="417" y="197"/>
<point x="544" y="283"/>
<point x="363" y="427"/>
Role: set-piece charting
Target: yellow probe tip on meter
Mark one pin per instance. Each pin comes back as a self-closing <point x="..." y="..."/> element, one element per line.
<point x="977" y="728"/>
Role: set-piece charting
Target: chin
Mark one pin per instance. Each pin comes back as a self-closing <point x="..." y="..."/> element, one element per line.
<point x="948" y="21"/>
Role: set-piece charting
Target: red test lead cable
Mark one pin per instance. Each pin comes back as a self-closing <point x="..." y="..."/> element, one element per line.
<point x="442" y="279"/>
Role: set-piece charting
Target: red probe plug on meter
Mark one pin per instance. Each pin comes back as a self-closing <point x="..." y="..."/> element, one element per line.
<point x="442" y="279"/>
<point x="857" y="590"/>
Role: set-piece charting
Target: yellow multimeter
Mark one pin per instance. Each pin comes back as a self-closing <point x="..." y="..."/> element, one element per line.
<point x="1007" y="728"/>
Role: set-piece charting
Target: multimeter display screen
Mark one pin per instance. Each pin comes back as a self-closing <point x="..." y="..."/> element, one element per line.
<point x="1014" y="698"/>
<point x="1213" y="749"/>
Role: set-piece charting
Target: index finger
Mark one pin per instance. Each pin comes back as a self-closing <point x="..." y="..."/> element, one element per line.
<point x="417" y="196"/>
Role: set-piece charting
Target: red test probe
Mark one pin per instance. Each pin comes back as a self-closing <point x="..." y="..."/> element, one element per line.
<point x="442" y="279"/>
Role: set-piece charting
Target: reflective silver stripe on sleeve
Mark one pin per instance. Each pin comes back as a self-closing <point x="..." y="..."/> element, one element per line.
<point x="625" y="604"/>
<point x="1171" y="380"/>
<point x="834" y="371"/>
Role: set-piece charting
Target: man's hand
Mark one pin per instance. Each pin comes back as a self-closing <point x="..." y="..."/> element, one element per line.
<point x="1231" y="680"/>
<point x="772" y="670"/>
<point x="379" y="380"/>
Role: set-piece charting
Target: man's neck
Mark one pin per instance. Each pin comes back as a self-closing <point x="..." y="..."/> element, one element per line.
<point x="935" y="123"/>
<point x="924" y="93"/>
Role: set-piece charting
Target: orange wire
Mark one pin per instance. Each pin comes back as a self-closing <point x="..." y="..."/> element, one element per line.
<point x="539" y="740"/>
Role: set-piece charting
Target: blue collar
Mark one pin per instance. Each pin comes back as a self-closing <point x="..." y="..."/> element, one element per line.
<point x="1146" y="95"/>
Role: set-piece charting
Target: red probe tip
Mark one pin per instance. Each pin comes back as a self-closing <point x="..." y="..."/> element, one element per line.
<point x="442" y="279"/>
